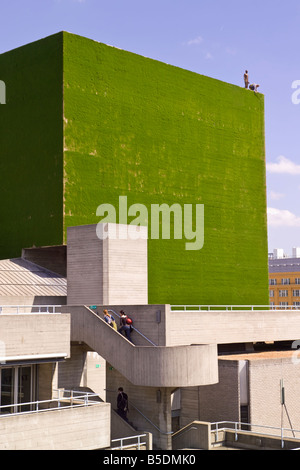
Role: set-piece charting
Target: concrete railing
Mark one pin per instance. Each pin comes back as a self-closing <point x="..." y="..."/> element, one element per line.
<point x="235" y="434"/>
<point x="34" y="336"/>
<point x="139" y="442"/>
<point x="65" y="428"/>
<point x="29" y="309"/>
<point x="73" y="400"/>
<point x="196" y="435"/>
<point x="166" y="325"/>
<point x="209" y="436"/>
<point x="187" y="308"/>
<point x="221" y="325"/>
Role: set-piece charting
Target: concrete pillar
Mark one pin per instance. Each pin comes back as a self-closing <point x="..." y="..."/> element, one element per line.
<point x="84" y="369"/>
<point x="149" y="408"/>
<point x="164" y="418"/>
<point x="47" y="381"/>
<point x="149" y="441"/>
<point x="106" y="265"/>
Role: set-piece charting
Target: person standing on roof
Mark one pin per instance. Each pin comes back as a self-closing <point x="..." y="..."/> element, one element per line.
<point x="246" y="79"/>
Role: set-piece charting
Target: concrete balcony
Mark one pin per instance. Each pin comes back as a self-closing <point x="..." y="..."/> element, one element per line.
<point x="77" y="427"/>
<point x="34" y="336"/>
<point x="171" y="326"/>
<point x="232" y="325"/>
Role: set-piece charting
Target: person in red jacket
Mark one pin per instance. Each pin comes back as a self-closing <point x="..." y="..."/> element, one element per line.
<point x="124" y="326"/>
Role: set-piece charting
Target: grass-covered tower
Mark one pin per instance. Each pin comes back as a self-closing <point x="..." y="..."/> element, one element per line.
<point x="85" y="123"/>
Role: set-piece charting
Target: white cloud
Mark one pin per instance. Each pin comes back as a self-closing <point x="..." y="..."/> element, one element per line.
<point x="275" y="196"/>
<point x="283" y="165"/>
<point x="230" y="51"/>
<point x="208" y="56"/>
<point x="282" y="218"/>
<point x="195" y="41"/>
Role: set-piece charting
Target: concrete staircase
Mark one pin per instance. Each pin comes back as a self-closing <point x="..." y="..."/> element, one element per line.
<point x="150" y="366"/>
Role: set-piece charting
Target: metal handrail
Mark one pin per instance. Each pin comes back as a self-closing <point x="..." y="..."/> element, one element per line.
<point x="145" y="417"/>
<point x="231" y="307"/>
<point x="73" y="394"/>
<point x="122" y="439"/>
<point x="149" y="421"/>
<point x="237" y="427"/>
<point x="84" y="398"/>
<point x="19" y="309"/>
<point x="135" y="329"/>
<point x="183" y="431"/>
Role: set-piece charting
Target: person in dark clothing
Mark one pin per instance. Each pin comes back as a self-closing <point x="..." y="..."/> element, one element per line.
<point x="124" y="326"/>
<point x="122" y="404"/>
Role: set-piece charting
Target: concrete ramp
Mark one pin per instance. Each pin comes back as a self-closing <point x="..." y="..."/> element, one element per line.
<point x="150" y="366"/>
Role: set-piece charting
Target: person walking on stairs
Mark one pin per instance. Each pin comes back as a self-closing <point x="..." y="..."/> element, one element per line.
<point x="122" y="404"/>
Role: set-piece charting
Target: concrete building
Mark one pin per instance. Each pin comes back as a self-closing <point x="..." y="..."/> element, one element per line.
<point x="186" y="365"/>
<point x="98" y="127"/>
<point x="56" y="352"/>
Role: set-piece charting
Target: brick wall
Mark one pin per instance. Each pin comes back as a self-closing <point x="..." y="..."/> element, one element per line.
<point x="265" y="403"/>
<point x="213" y="403"/>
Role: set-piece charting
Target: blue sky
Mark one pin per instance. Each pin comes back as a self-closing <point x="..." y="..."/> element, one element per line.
<point x="211" y="37"/>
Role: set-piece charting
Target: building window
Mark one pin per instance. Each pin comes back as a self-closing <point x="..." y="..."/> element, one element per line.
<point x="271" y="293"/>
<point x="273" y="282"/>
<point x="17" y="386"/>
<point x="245" y="417"/>
<point x="297" y="280"/>
<point x="283" y="293"/>
<point x="296" y="293"/>
<point x="285" y="281"/>
<point x="283" y="304"/>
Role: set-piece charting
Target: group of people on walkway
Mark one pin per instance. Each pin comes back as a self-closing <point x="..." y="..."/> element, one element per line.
<point x="125" y="323"/>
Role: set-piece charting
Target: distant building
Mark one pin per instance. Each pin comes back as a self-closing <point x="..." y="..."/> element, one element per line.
<point x="284" y="279"/>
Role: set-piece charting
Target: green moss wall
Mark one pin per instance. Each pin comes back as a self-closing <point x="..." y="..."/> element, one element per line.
<point x="85" y="123"/>
<point x="31" y="152"/>
<point x="155" y="133"/>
